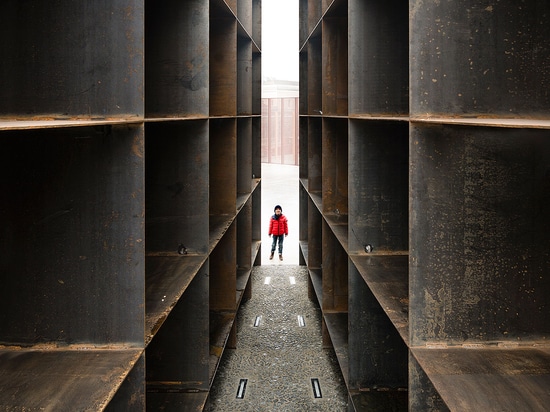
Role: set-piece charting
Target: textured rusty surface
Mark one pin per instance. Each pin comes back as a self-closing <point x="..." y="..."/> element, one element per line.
<point x="67" y="59"/>
<point x="62" y="380"/>
<point x="479" y="234"/>
<point x="488" y="58"/>
<point x="466" y="379"/>
<point x="378" y="57"/>
<point x="378" y="186"/>
<point x="73" y="222"/>
<point x="177" y="74"/>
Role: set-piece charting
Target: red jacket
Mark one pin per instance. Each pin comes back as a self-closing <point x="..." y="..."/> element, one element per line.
<point x="278" y="226"/>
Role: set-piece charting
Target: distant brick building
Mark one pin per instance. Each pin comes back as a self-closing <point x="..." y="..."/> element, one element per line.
<point x="280" y="129"/>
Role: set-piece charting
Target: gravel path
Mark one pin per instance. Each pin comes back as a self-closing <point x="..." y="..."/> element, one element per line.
<point x="278" y="357"/>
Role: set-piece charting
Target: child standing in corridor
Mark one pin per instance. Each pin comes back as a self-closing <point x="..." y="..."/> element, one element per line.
<point x="278" y="228"/>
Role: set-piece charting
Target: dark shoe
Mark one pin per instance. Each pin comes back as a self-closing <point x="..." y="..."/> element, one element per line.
<point x="271" y="256"/>
<point x="280" y="257"/>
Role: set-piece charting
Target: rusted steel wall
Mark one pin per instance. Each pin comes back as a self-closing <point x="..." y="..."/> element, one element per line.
<point x="68" y="59"/>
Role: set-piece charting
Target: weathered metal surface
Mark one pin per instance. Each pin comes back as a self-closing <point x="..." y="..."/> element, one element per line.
<point x="244" y="154"/>
<point x="335" y="273"/>
<point x="377" y="353"/>
<point x="223" y="67"/>
<point x="63" y="380"/>
<point x="167" y="277"/>
<point x="335" y="65"/>
<point x="130" y="396"/>
<point x="335" y="167"/>
<point x="480" y="58"/>
<point x="177" y="357"/>
<point x="72" y="218"/>
<point x="315" y="246"/>
<point x="314" y="83"/>
<point x="378" y="57"/>
<point x="378" y="185"/>
<point x="422" y="394"/>
<point x="244" y="76"/>
<point x="480" y="243"/>
<point x="489" y="379"/>
<point x="223" y="177"/>
<point x="64" y="59"/>
<point x="314" y="155"/>
<point x="177" y="76"/>
<point x="176" y="176"/>
<point x="223" y="272"/>
<point x="387" y="276"/>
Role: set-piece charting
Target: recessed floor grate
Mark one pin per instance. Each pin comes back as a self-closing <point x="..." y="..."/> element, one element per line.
<point x="242" y="388"/>
<point x="316" y="388"/>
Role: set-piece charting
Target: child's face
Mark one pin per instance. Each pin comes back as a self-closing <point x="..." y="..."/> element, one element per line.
<point x="277" y="211"/>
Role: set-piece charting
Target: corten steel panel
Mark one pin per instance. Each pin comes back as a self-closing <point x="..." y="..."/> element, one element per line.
<point x="335" y="166"/>
<point x="244" y="155"/>
<point x="480" y="58"/>
<point x="503" y="379"/>
<point x="223" y="167"/>
<point x="480" y="238"/>
<point x="378" y="57"/>
<point x="69" y="59"/>
<point x="244" y="14"/>
<point x="223" y="67"/>
<point x="303" y="22"/>
<point x="378" y="356"/>
<point x="303" y="84"/>
<point x="130" y="397"/>
<point x="63" y="380"/>
<point x="177" y="357"/>
<point x="315" y="231"/>
<point x="223" y="272"/>
<point x="256" y="83"/>
<point x="257" y="213"/>
<point x="233" y="5"/>
<point x="335" y="272"/>
<point x="378" y="185"/>
<point x="303" y="234"/>
<point x="256" y="147"/>
<point x="72" y="217"/>
<point x="314" y="162"/>
<point x="177" y="53"/>
<point x="257" y="22"/>
<point x="315" y="76"/>
<point x="422" y="394"/>
<point x="314" y="13"/>
<point x="177" y="173"/>
<point x="244" y="76"/>
<point x="335" y="66"/>
<point x="303" y="147"/>
<point x="244" y="236"/>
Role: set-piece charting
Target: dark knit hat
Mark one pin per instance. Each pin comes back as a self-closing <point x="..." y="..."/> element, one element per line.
<point x="278" y="207"/>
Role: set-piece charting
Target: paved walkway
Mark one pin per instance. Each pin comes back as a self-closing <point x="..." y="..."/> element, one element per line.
<point x="279" y="351"/>
<point x="280" y="187"/>
<point x="276" y="353"/>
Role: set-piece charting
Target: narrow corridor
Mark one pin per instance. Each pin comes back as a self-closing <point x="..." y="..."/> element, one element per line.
<point x="279" y="351"/>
